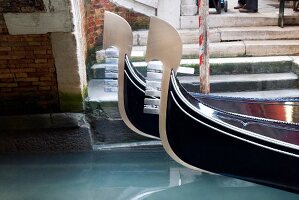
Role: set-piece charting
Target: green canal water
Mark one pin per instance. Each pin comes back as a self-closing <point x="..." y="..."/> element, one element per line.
<point x="126" y="174"/>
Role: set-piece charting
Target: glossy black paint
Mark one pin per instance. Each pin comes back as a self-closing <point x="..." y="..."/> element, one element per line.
<point x="134" y="94"/>
<point x="149" y="123"/>
<point x="214" y="140"/>
<point x="282" y="109"/>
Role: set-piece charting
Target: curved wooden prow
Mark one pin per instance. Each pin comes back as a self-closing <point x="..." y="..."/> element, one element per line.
<point x="164" y="44"/>
<point x="118" y="33"/>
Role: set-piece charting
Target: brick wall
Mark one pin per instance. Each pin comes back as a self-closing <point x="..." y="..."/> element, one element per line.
<point x="95" y="19"/>
<point x="27" y="74"/>
<point x="24" y="6"/>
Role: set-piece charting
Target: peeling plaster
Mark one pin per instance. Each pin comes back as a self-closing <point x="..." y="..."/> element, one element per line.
<point x="56" y="19"/>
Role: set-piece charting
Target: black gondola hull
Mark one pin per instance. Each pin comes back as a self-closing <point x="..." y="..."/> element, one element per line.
<point x="134" y="94"/>
<point x="212" y="146"/>
<point x="282" y="109"/>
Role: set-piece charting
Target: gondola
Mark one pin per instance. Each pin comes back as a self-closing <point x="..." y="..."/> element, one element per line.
<point x="205" y="138"/>
<point x="118" y="33"/>
<point x="132" y="87"/>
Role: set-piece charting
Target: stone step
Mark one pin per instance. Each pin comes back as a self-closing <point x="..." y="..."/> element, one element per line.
<point x="272" y="47"/>
<point x="244" y="82"/>
<point x="258" y="33"/>
<point x="238" y="65"/>
<point x="107" y="101"/>
<point x="244" y="65"/>
<point x="237" y="49"/>
<point x="190" y="36"/>
<point x="239" y="20"/>
<point x="222" y="66"/>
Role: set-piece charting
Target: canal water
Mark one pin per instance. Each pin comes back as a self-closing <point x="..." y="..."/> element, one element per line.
<point x="121" y="174"/>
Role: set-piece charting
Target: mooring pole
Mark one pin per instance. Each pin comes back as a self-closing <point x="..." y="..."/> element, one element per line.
<point x="204" y="65"/>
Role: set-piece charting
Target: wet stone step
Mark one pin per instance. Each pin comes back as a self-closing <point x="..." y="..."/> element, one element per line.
<point x="243" y="82"/>
<point x="251" y="65"/>
<point x="110" y="131"/>
<point x="222" y="66"/>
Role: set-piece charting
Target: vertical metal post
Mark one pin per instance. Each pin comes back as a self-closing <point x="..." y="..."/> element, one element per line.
<point x="204" y="65"/>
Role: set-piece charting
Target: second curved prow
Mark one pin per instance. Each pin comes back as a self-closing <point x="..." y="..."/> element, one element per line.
<point x="165" y="45"/>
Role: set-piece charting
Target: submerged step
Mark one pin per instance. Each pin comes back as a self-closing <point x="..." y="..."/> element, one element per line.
<point x="251" y="65"/>
<point x="237" y="65"/>
<point x="243" y="82"/>
<point x="221" y="66"/>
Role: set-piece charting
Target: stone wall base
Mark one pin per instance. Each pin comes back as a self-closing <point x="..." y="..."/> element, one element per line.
<point x="63" y="132"/>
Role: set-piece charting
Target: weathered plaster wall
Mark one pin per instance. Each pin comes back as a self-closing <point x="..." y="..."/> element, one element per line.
<point x="79" y="15"/>
<point x="68" y="77"/>
<point x="55" y="18"/>
<point x="21" y="6"/>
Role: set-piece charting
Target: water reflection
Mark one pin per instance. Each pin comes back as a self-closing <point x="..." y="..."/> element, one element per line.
<point x="118" y="175"/>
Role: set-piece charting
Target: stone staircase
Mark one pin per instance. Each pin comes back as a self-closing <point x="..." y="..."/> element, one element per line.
<point x="259" y="60"/>
<point x="235" y="41"/>
<point x="259" y="77"/>
<point x="246" y="48"/>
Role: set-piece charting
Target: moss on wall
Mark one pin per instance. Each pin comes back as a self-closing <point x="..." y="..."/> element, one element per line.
<point x="71" y="102"/>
